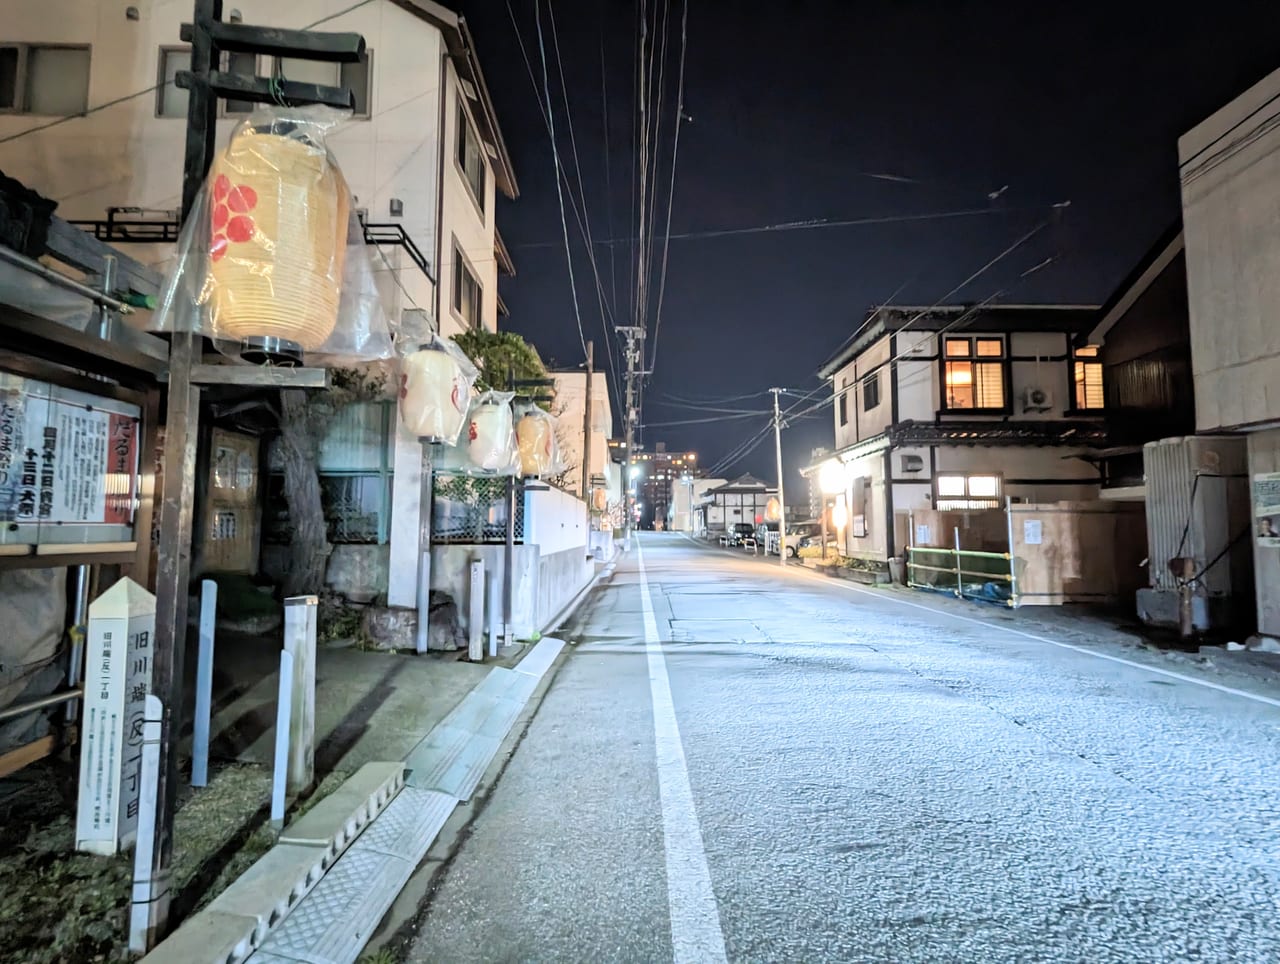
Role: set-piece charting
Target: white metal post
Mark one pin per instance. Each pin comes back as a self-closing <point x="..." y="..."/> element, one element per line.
<point x="494" y="616"/>
<point x="300" y="643"/>
<point x="782" y="501"/>
<point x="959" y="571"/>
<point x="475" y="624"/>
<point x="280" y="765"/>
<point x="150" y="897"/>
<point x="204" y="685"/>
<point x="425" y="508"/>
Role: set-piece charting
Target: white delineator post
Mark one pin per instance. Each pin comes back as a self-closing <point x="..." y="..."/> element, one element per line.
<point x="149" y="895"/>
<point x="300" y="643"/>
<point x="475" y="624"/>
<point x="280" y="765"/>
<point x="117" y="680"/>
<point x="204" y="685"/>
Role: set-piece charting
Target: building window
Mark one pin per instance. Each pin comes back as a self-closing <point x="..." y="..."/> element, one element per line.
<point x="871" y="392"/>
<point x="466" y="290"/>
<point x="844" y="403"/>
<point x="355" y="77"/>
<point x="975" y="371"/>
<point x="1087" y="375"/>
<point x="470" y="156"/>
<point x="954" y="491"/>
<point x="47" y="79"/>
<point x="171" y="100"/>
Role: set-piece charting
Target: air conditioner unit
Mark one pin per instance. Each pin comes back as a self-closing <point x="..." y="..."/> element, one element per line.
<point x="1036" y="399"/>
<point x="912" y="463"/>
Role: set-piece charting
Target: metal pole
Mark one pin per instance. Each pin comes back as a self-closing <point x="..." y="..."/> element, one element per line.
<point x="426" y="507"/>
<point x="280" y="766"/>
<point x="959" y="573"/>
<point x="204" y="685"/>
<point x="1013" y="569"/>
<point x="79" y="616"/>
<point x="782" y="501"/>
<point x="475" y="613"/>
<point x="586" y="426"/>
<point x="508" y="563"/>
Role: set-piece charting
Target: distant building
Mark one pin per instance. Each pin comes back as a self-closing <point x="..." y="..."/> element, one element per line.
<point x="745" y="500"/>
<point x="961" y="407"/>
<point x="656" y="476"/>
<point x="569" y="405"/>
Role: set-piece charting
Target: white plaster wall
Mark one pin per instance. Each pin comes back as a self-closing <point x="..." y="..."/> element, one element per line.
<point x="874" y="421"/>
<point x="1231" y="216"/>
<point x="467" y="228"/>
<point x="554" y="521"/>
<point x="1052" y="464"/>
<point x="917" y="382"/>
<point x="842" y="383"/>
<point x="126" y="155"/>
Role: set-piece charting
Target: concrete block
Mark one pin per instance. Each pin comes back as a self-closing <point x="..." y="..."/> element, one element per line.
<point x="272" y="887"/>
<point x="393" y="628"/>
<point x="338" y="818"/>
<point x="208" y="936"/>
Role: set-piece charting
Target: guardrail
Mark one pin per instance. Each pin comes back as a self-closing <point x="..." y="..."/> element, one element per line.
<point x="967" y="573"/>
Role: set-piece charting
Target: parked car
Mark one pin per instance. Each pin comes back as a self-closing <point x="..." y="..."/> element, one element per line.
<point x="796" y="536"/>
<point x="740" y="532"/>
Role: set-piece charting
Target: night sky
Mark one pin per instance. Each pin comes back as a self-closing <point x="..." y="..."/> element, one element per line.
<point x="809" y="110"/>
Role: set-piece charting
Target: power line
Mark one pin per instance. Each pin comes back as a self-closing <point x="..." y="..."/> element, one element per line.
<point x="813" y="224"/>
<point x="608" y="169"/>
<point x="703" y="421"/>
<point x="555" y="154"/>
<point x="671" y="192"/>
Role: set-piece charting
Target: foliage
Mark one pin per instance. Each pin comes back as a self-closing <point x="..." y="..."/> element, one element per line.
<point x="866" y="565"/>
<point x="239" y="598"/>
<point x="338" y="620"/>
<point x="497" y="353"/>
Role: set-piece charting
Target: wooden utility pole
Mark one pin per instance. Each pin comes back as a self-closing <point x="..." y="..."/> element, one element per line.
<point x="209" y="38"/>
<point x="782" y="502"/>
<point x="586" y="423"/>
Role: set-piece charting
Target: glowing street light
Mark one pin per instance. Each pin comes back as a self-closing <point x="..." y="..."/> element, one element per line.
<point x="831" y="477"/>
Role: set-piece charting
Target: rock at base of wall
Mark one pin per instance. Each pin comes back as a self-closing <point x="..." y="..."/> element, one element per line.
<point x="390" y="628"/>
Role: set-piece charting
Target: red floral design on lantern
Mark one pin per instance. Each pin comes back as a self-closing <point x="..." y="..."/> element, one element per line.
<point x="231" y="220"/>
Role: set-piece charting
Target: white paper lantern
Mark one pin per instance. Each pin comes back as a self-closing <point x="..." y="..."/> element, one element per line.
<point x="536" y="437"/>
<point x="490" y="441"/>
<point x="434" y="395"/>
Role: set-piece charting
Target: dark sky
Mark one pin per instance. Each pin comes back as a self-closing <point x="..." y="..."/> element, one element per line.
<point x="796" y="107"/>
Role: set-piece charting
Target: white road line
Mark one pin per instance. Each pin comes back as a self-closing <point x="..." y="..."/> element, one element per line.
<point x="695" y="919"/>
<point x="1230" y="690"/>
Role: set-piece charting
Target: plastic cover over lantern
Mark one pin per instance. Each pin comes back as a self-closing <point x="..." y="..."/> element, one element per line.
<point x="487" y="445"/>
<point x="271" y="263"/>
<point x="435" y="390"/>
<point x="539" y="449"/>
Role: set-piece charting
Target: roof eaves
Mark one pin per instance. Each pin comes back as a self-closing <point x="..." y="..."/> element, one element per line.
<point x="1144" y="274"/>
<point x="462" y="50"/>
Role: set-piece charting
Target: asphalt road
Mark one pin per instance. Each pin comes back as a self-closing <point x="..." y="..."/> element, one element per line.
<point x="740" y="763"/>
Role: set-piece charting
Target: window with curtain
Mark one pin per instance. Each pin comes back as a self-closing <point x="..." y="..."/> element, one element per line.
<point x="466" y="290"/>
<point x="1087" y="378"/>
<point x="953" y="491"/>
<point x="975" y="371"/>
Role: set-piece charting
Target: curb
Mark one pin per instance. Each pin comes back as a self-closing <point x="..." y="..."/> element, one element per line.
<point x="318" y="894"/>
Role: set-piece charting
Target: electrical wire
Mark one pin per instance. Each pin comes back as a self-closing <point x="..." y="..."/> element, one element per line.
<point x="153" y="88"/>
<point x="671" y="192"/>
<point x="555" y="153"/>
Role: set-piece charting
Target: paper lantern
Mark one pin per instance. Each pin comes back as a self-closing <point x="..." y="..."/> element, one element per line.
<point x="535" y="434"/>
<point x="600" y="499"/>
<point x="278" y="222"/>
<point x="434" y="395"/>
<point x="773" y="509"/>
<point x="489" y="442"/>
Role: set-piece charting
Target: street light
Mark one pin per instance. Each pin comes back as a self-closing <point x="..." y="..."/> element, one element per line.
<point x="831" y="477"/>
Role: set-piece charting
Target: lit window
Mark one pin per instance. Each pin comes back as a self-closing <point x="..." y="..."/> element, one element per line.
<point x="470" y="156"/>
<point x="1087" y="377"/>
<point x="954" y="491"/>
<point x="975" y="384"/>
<point x="47" y="79"/>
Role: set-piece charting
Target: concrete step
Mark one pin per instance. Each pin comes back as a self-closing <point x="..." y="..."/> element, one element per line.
<point x="334" y="921"/>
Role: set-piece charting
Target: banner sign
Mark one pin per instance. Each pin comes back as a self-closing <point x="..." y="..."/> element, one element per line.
<point x="1266" y="509"/>
<point x="68" y="465"/>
